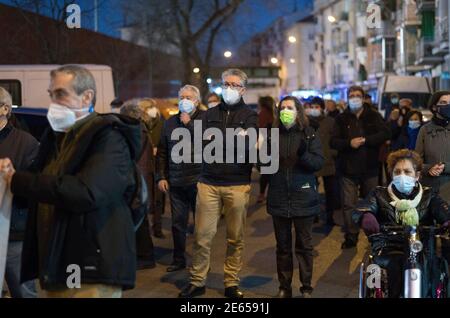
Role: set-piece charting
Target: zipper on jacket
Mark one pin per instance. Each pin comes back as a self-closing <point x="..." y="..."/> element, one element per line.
<point x="226" y="121"/>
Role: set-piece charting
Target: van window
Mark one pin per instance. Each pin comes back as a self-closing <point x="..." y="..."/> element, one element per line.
<point x="15" y="89"/>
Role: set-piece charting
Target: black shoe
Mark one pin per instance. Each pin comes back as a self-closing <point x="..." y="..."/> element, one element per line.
<point x="305" y="292"/>
<point x="192" y="291"/>
<point x="350" y="242"/>
<point x="284" y="293"/>
<point x="145" y="264"/>
<point x="233" y="292"/>
<point x="316" y="219"/>
<point x="176" y="267"/>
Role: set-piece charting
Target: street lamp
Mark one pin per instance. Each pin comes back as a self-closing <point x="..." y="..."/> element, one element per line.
<point x="196" y="70"/>
<point x="228" y="54"/>
<point x="292" y="61"/>
<point x="274" y="60"/>
<point x="332" y="19"/>
<point x="292" y="39"/>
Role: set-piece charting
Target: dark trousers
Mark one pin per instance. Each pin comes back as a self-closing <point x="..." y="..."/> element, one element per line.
<point x="351" y="187"/>
<point x="144" y="242"/>
<point x="182" y="200"/>
<point x="158" y="211"/>
<point x="332" y="195"/>
<point x="263" y="183"/>
<point x="12" y="273"/>
<point x="303" y="249"/>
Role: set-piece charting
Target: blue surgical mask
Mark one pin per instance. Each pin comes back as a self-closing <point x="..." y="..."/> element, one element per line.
<point x="394" y="101"/>
<point x="315" y="112"/>
<point x="355" y="103"/>
<point x="186" y="106"/>
<point x="414" y="124"/>
<point x="404" y="184"/>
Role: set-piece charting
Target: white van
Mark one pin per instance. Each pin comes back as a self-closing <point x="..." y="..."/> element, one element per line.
<point x="28" y="84"/>
<point x="418" y="89"/>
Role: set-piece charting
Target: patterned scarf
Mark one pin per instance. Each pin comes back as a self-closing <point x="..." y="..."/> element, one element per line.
<point x="405" y="210"/>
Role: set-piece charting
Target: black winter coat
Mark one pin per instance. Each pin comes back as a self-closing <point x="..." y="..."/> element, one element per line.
<point x="293" y="189"/>
<point x="92" y="225"/>
<point x="431" y="208"/>
<point x="229" y="116"/>
<point x="364" y="160"/>
<point x="178" y="174"/>
<point x="21" y="148"/>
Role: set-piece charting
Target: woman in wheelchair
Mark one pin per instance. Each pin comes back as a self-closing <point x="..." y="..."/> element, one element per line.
<point x="405" y="202"/>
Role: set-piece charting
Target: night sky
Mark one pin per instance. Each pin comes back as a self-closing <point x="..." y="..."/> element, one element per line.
<point x="254" y="17"/>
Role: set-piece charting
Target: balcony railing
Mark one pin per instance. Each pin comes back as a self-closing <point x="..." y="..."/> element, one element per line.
<point x="441" y="30"/>
<point x="424" y="52"/>
<point x="425" y="5"/>
<point x="387" y="30"/>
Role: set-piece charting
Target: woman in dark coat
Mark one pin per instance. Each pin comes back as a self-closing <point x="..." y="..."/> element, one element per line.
<point x="404" y="202"/>
<point x="293" y="199"/>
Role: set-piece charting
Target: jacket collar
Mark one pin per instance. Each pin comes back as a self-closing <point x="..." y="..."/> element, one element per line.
<point x="5" y="131"/>
<point x="193" y="116"/>
<point x="284" y="130"/>
<point x="365" y="112"/>
<point x="440" y="122"/>
<point x="225" y="107"/>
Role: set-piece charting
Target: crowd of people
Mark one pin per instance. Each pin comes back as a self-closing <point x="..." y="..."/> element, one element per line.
<point x="72" y="189"/>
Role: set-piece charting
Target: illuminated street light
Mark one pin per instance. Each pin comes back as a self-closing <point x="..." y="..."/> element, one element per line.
<point x="331" y="19"/>
<point x="228" y="54"/>
<point x="196" y="70"/>
<point x="292" y="61"/>
<point x="292" y="39"/>
<point x="274" y="60"/>
<point x="208" y="80"/>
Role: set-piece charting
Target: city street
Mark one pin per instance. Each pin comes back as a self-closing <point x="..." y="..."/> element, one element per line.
<point x="335" y="270"/>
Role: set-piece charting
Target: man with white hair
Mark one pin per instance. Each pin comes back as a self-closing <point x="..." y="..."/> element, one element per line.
<point x="21" y="148"/>
<point x="223" y="186"/>
<point x="180" y="179"/>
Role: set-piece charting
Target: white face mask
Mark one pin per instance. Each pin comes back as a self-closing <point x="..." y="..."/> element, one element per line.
<point x="213" y="104"/>
<point x="153" y="112"/>
<point x="62" y="118"/>
<point x="315" y="112"/>
<point x="231" y="96"/>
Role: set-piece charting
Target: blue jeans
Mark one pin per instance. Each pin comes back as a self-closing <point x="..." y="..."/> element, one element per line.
<point x="12" y="273"/>
<point x="182" y="199"/>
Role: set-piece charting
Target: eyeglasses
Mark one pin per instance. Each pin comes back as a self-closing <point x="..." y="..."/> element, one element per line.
<point x="232" y="85"/>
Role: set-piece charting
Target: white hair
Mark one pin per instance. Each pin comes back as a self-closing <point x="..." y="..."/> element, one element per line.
<point x="5" y="99"/>
<point x="193" y="89"/>
<point x="238" y="73"/>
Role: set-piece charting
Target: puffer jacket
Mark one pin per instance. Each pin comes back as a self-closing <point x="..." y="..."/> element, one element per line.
<point x="431" y="208"/>
<point x="178" y="174"/>
<point x="293" y="189"/>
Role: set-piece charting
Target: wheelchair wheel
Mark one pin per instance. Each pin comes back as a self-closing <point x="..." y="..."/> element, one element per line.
<point x="372" y="280"/>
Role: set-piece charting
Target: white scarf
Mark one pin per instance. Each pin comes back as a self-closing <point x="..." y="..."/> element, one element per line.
<point x="405" y="210"/>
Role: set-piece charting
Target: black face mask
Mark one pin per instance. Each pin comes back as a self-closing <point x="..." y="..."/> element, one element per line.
<point x="444" y="110"/>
